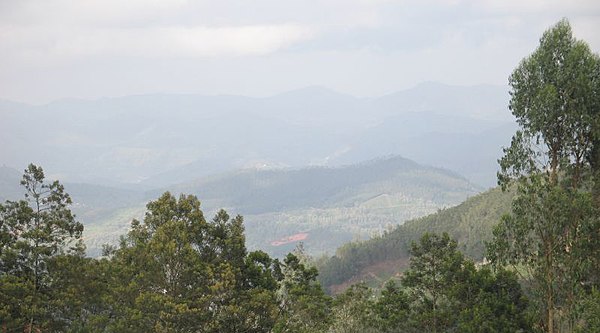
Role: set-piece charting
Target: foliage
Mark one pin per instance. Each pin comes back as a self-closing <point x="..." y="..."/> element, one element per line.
<point x="185" y="273"/>
<point x="440" y="292"/>
<point x="176" y="272"/>
<point x="589" y="319"/>
<point x="447" y="293"/>
<point x="353" y="311"/>
<point x="471" y="223"/>
<point x="552" y="229"/>
<point x="435" y="267"/>
<point x="33" y="233"/>
<point x="392" y="309"/>
<point x="303" y="304"/>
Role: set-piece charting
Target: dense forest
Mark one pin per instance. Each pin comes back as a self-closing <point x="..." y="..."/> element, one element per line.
<point x="471" y="223"/>
<point x="175" y="271"/>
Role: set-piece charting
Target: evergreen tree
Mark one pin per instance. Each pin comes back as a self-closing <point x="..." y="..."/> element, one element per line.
<point x="176" y="272"/>
<point x="392" y="309"/>
<point x="352" y="311"/>
<point x="34" y="231"/>
<point x="435" y="266"/>
<point x="304" y="307"/>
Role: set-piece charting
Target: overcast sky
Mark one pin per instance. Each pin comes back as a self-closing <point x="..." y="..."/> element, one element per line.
<point x="96" y="48"/>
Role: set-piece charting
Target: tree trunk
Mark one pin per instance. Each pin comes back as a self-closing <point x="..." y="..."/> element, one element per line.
<point x="550" y="315"/>
<point x="594" y="160"/>
<point x="550" y="288"/>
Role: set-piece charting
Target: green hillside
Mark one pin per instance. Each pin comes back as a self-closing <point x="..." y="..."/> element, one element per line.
<point x="327" y="207"/>
<point x="322" y="207"/>
<point x="255" y="191"/>
<point x="470" y="223"/>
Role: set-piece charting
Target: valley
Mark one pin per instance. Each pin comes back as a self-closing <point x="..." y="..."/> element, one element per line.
<point x="329" y="206"/>
<point x="310" y="161"/>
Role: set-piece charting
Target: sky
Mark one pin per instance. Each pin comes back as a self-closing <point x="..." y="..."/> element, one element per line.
<point x="55" y="49"/>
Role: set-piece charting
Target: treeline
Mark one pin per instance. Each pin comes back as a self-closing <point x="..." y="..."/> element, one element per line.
<point x="173" y="272"/>
<point x="176" y="272"/>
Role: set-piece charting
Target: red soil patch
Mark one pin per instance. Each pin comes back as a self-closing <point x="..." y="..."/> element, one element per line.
<point x="290" y="239"/>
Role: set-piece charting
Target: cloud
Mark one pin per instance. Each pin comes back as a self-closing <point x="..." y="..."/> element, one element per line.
<point x="537" y="6"/>
<point x="152" y="42"/>
<point x="179" y="41"/>
<point x="91" y="48"/>
<point x="87" y="12"/>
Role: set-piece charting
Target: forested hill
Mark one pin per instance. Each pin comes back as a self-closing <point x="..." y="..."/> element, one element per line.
<point x="323" y="207"/>
<point x="255" y="191"/>
<point x="470" y="223"/>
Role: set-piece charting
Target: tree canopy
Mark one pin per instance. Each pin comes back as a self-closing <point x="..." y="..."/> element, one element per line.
<point x="553" y="231"/>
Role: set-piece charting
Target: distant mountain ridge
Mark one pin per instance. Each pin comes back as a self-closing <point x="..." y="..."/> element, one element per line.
<point x="463" y="100"/>
<point x="157" y="140"/>
<point x="9" y="184"/>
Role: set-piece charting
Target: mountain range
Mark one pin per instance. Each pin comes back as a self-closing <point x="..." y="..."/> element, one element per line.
<point x="150" y="141"/>
<point x="292" y="164"/>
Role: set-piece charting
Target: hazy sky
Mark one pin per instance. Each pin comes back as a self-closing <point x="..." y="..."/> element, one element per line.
<point x="93" y="48"/>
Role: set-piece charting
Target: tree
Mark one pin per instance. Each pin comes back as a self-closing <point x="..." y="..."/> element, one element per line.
<point x="554" y="96"/>
<point x="176" y="272"/>
<point x="488" y="302"/>
<point x="446" y="292"/>
<point x="392" y="309"/>
<point x="352" y="311"/>
<point x="435" y="264"/>
<point x="555" y="159"/>
<point x="303" y="305"/>
<point x="33" y="232"/>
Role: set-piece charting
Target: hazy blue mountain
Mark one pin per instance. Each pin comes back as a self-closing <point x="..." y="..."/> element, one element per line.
<point x="10" y="189"/>
<point x="473" y="154"/>
<point x="157" y="140"/>
<point x="486" y="102"/>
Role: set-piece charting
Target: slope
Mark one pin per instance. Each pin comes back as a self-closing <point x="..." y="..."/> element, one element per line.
<point x="471" y="223"/>
<point x="323" y="207"/>
<point x="326" y="207"/>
